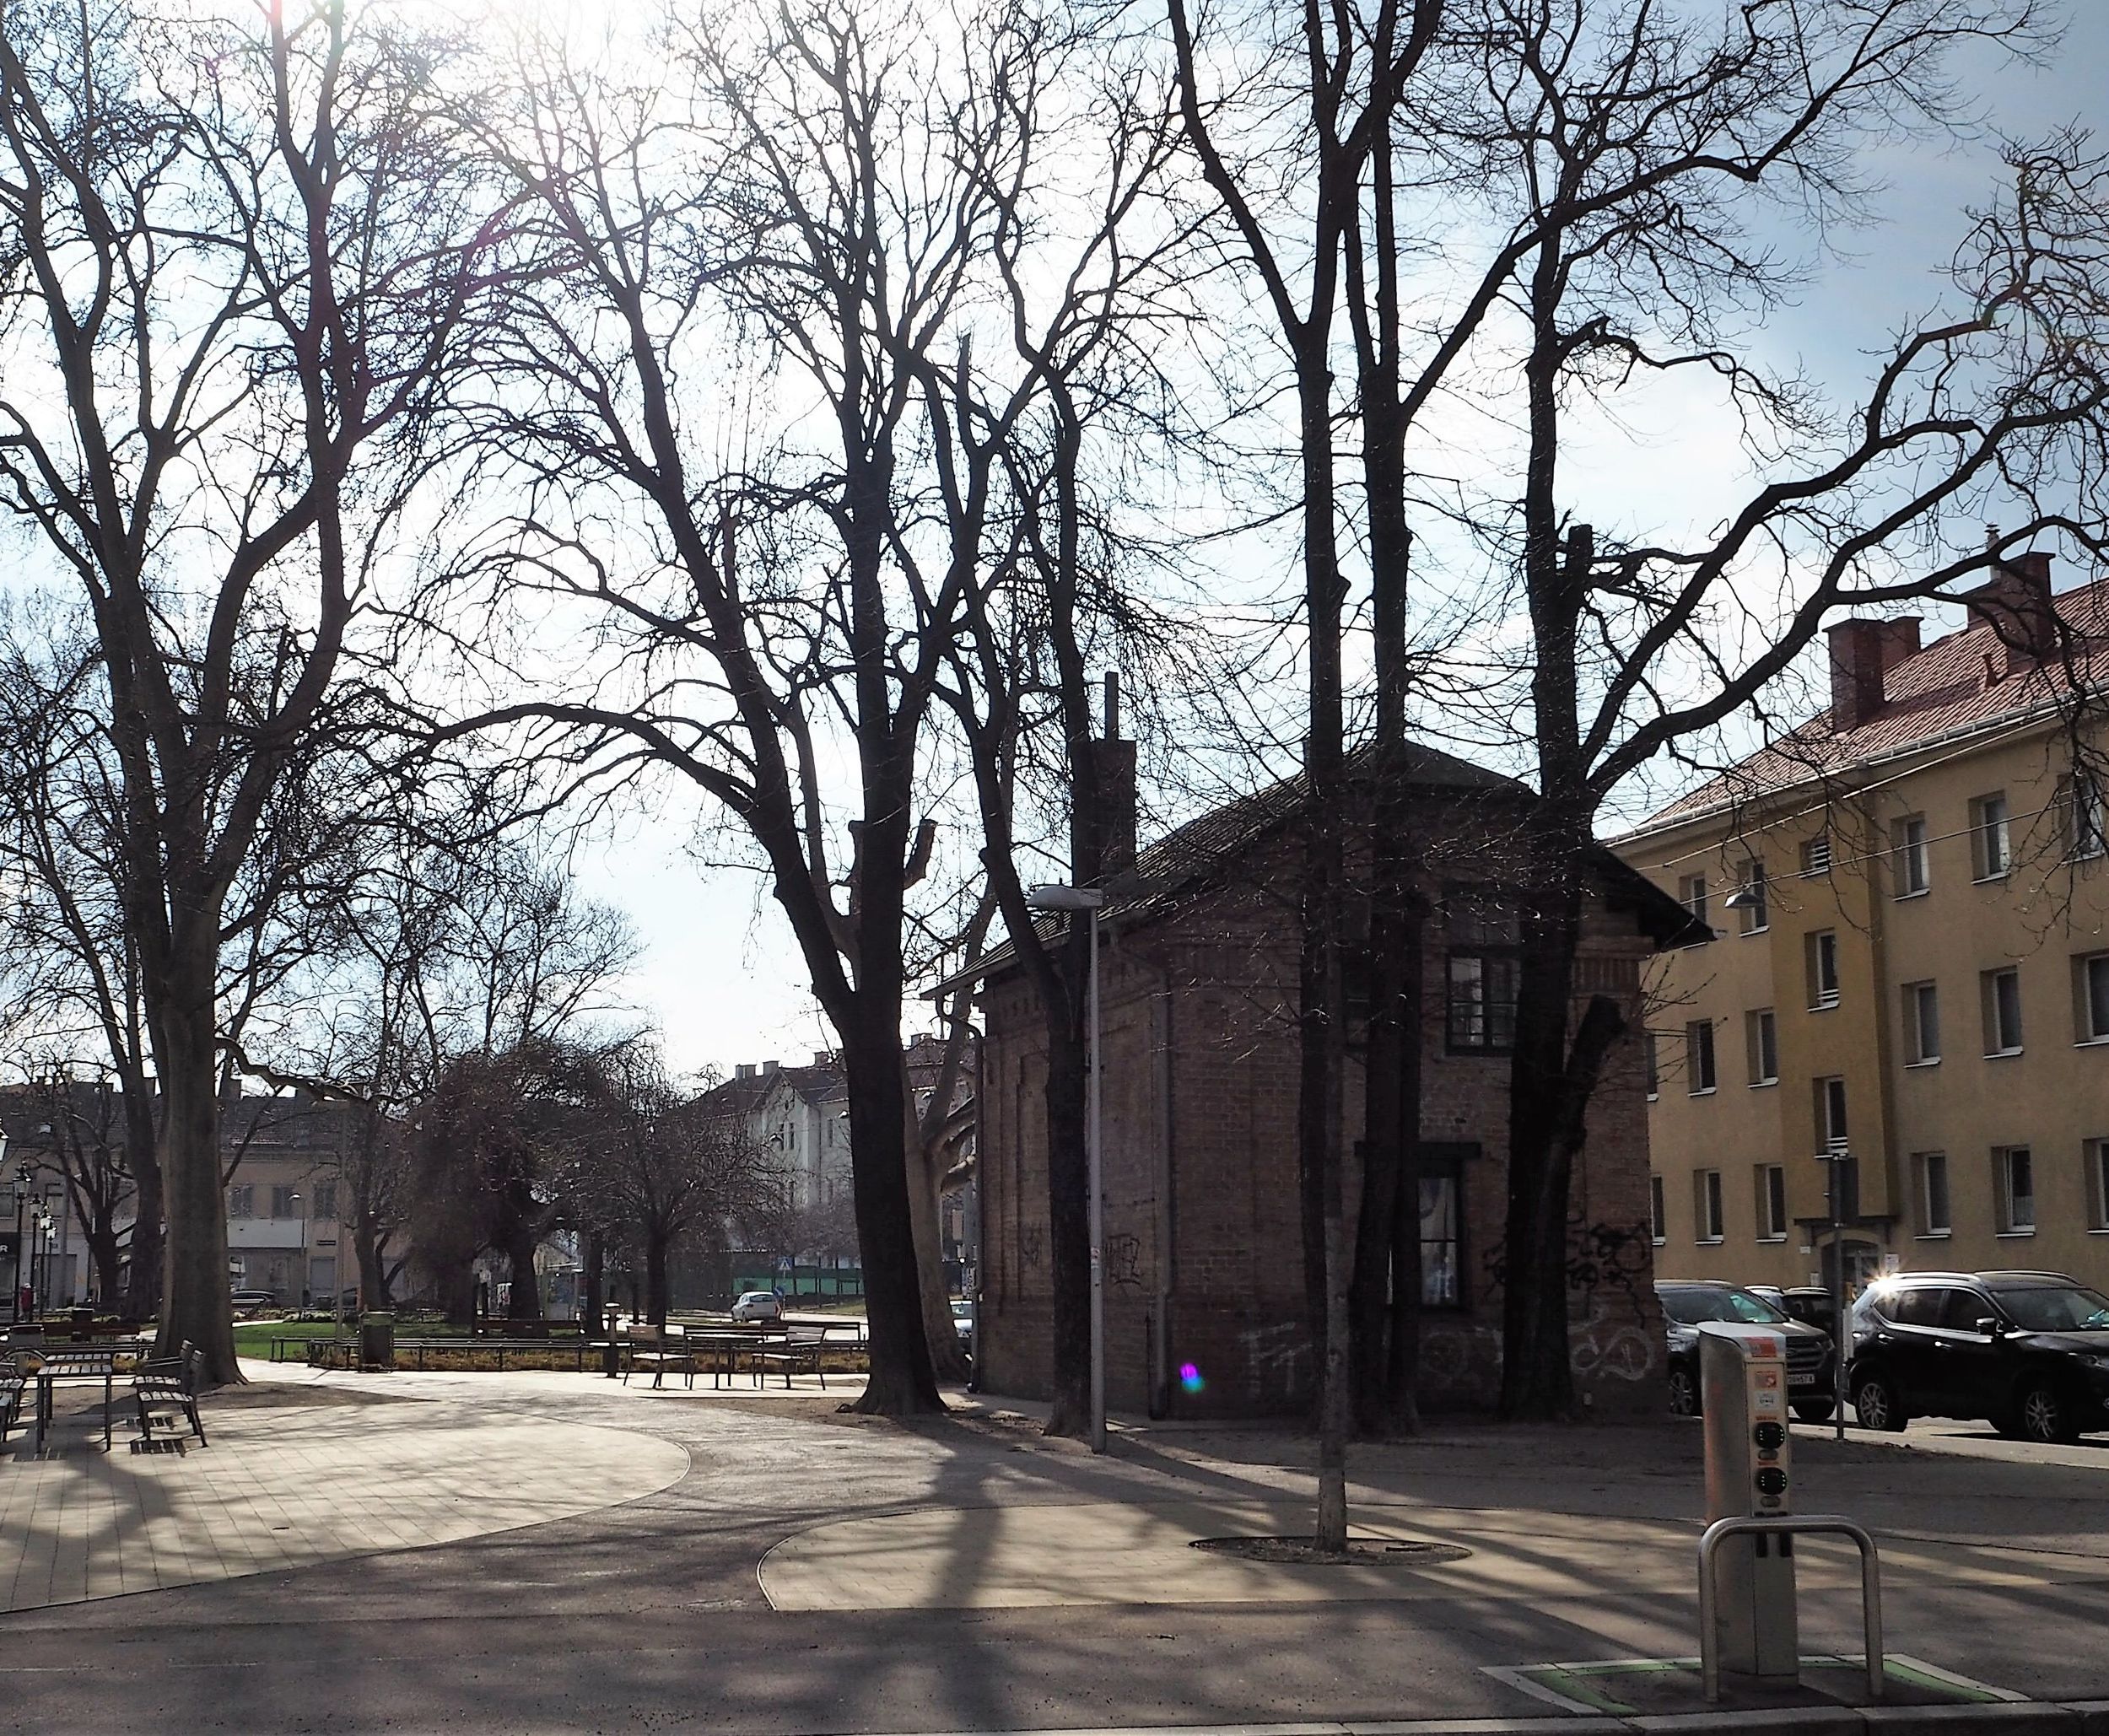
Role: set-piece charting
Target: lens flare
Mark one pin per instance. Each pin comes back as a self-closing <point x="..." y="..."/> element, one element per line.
<point x="1190" y="1379"/>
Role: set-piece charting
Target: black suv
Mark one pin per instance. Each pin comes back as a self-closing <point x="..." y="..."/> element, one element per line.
<point x="2026" y="1351"/>
<point x="1685" y="1302"/>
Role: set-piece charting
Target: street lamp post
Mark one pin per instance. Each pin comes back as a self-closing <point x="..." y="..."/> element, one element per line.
<point x="1071" y="899"/>
<point x="294" y="1199"/>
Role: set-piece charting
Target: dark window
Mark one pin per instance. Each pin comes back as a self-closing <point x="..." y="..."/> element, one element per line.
<point x="326" y="1200"/>
<point x="1443" y="1223"/>
<point x="1756" y="911"/>
<point x="1482" y="1000"/>
<point x="1961" y="1309"/>
<point x="1699" y="1056"/>
<point x="1918" y="1307"/>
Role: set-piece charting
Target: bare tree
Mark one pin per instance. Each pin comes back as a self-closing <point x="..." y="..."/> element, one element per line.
<point x="237" y="252"/>
<point x="790" y="615"/>
<point x="1624" y="155"/>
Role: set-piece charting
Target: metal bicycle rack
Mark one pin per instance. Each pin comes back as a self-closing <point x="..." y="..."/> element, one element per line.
<point x="1721" y="1530"/>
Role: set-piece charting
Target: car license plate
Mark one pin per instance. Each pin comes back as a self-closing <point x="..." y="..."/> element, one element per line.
<point x="1800" y="1380"/>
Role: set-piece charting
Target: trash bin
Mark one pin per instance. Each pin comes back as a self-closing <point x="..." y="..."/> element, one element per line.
<point x="377" y="1341"/>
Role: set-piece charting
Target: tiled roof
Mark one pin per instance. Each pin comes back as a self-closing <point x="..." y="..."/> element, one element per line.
<point x="1955" y="686"/>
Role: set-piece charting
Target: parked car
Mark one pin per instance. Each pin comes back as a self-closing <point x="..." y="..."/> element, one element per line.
<point x="1688" y="1302"/>
<point x="963" y="1320"/>
<point x="255" y="1299"/>
<point x="1809" y="1303"/>
<point x="2027" y="1352"/>
<point x="758" y="1306"/>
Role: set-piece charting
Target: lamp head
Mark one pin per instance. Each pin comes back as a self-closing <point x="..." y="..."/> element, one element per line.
<point x="1065" y="898"/>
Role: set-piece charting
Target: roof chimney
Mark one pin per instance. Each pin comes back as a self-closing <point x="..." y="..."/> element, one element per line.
<point x="745" y="1069"/>
<point x="2015" y="603"/>
<point x="767" y="1068"/>
<point x="1863" y="652"/>
<point x="1115" y="762"/>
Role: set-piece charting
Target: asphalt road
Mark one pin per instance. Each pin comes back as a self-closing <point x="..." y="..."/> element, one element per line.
<point x="650" y="1616"/>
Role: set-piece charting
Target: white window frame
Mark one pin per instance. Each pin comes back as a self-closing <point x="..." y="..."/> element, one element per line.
<point x="1913" y="861"/>
<point x="1991" y="837"/>
<point x="2095" y="1153"/>
<point x="1760" y="1045"/>
<point x="1925" y="1165"/>
<point x="1709" y="1222"/>
<point x="1756" y="918"/>
<point x="1691" y="893"/>
<point x="1823" y="949"/>
<point x="2012" y="1221"/>
<point x="1771" y="1202"/>
<point x="2089" y="824"/>
<point x="2091" y="1009"/>
<point x="2000" y="1040"/>
<point x="1657" y="1210"/>
<point x="1833" y="1120"/>
<point x="1701" y="1081"/>
<point x="1816" y="856"/>
<point x="1917" y="997"/>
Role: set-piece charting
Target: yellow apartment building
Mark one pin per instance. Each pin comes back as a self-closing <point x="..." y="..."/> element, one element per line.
<point x="1902" y="1024"/>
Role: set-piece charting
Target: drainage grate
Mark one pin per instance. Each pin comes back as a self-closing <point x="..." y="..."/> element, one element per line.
<point x="1361" y="1551"/>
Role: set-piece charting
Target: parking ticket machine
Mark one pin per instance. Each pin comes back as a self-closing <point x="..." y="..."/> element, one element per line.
<point x="1742" y="1399"/>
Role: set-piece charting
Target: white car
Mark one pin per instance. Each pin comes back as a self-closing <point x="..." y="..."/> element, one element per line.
<point x="759" y="1305"/>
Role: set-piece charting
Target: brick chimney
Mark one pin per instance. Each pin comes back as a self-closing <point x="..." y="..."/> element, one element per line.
<point x="1116" y="764"/>
<point x="1862" y="653"/>
<point x="2015" y="603"/>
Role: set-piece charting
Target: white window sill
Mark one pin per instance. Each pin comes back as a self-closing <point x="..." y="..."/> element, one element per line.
<point x="1932" y="1235"/>
<point x="2014" y="1235"/>
<point x="1823" y="1006"/>
<point x="1916" y="893"/>
<point x="1762" y="1084"/>
<point x="1763" y="928"/>
<point x="2092" y="1043"/>
<point x="1664" y="1241"/>
<point x="1707" y="1241"/>
<point x="1991" y="879"/>
<point x="1772" y="1238"/>
<point x="2100" y="1230"/>
<point x="2001" y="1055"/>
<point x="1704" y="1090"/>
<point x="1654" y="1096"/>
<point x="1929" y="1061"/>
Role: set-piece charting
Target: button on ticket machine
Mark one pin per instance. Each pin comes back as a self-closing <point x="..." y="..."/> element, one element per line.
<point x="1742" y="1399"/>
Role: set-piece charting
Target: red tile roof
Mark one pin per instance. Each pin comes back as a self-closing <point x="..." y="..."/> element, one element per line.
<point x="1955" y="685"/>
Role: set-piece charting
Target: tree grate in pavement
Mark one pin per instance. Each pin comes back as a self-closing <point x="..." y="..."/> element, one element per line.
<point x="1361" y="1551"/>
<point x="1633" y="1687"/>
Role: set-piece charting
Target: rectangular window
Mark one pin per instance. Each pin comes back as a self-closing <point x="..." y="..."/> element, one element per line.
<point x="1816" y="856"/>
<point x="241" y="1201"/>
<point x="1691" y="893"/>
<point x="1657" y="1210"/>
<point x="326" y="1200"/>
<point x="1482" y="1000"/>
<point x="1822" y="962"/>
<point x="1654" y="1064"/>
<point x="1771" y="1202"/>
<point x="1930" y="1177"/>
<point x="1756" y="913"/>
<point x="1760" y="1043"/>
<point x="1699" y="1056"/>
<point x="2087" y="825"/>
<point x="2091" y="986"/>
<point x="1912" y="872"/>
<point x="1706" y="1199"/>
<point x="1922" y="1023"/>
<point x="285" y="1202"/>
<point x="2001" y="993"/>
<point x="1991" y="841"/>
<point x="2014" y="1187"/>
<point x="1442" y="1224"/>
<point x="2097" y="1159"/>
<point x="1831" y="1114"/>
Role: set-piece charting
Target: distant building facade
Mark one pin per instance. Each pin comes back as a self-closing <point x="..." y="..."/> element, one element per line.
<point x="1206" y="1299"/>
<point x="1910" y="1003"/>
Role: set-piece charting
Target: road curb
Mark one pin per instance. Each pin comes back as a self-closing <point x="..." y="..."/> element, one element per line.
<point x="2010" y="1718"/>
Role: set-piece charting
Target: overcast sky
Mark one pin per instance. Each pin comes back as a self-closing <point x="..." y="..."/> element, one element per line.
<point x="718" y="968"/>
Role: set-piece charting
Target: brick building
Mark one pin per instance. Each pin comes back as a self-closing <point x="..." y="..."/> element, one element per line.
<point x="1199" y="993"/>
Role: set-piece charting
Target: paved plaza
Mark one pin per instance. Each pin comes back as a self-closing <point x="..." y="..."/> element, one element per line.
<point x="545" y="1552"/>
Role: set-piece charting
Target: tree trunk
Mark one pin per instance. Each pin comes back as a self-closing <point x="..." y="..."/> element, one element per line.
<point x="902" y="1382"/>
<point x="525" y="1301"/>
<point x="102" y="1256"/>
<point x="454" y="1281"/>
<point x="142" y="1281"/>
<point x="947" y="1360"/>
<point x="1403" y="1346"/>
<point x="196" y="1307"/>
<point x="656" y="1241"/>
<point x="592" y="1305"/>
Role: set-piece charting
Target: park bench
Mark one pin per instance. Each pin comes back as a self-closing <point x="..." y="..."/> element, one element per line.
<point x="166" y="1393"/>
<point x="649" y="1347"/>
<point x="279" y="1342"/>
<point x="12" y="1383"/>
<point x="797" y="1352"/>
